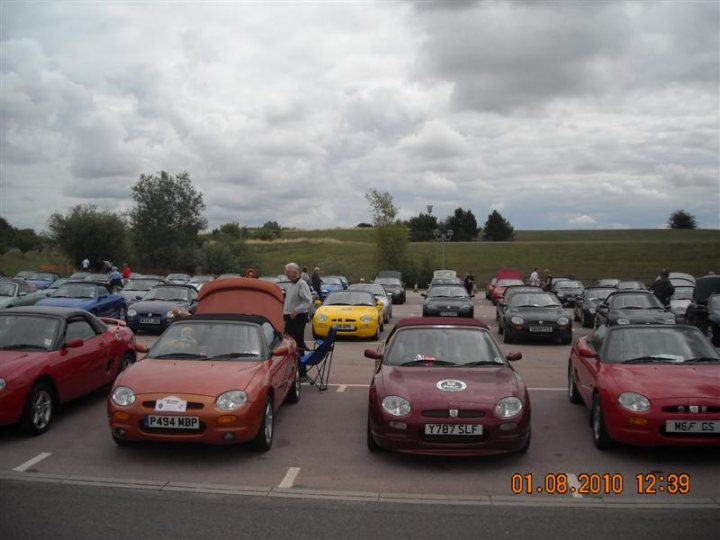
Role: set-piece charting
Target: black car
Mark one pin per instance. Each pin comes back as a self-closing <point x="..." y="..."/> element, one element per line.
<point x="568" y="291"/>
<point x="394" y="287"/>
<point x="509" y="292"/>
<point x="448" y="301"/>
<point x="607" y="282"/>
<point x="586" y="305"/>
<point x="632" y="307"/>
<point x="698" y="312"/>
<point x="713" y="328"/>
<point x="536" y="314"/>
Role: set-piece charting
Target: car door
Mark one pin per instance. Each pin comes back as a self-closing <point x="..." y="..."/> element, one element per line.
<point x="281" y="367"/>
<point x="83" y="368"/>
<point x="107" y="303"/>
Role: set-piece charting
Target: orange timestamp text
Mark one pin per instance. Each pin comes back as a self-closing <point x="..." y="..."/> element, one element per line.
<point x="600" y="484"/>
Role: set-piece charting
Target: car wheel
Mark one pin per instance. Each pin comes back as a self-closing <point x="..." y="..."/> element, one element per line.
<point x="713" y="335"/>
<point x="506" y="337"/>
<point x="127" y="360"/>
<point x="372" y="445"/>
<point x="600" y="435"/>
<point x="524" y="448"/>
<point x="293" y="395"/>
<point x="264" y="438"/>
<point x="39" y="410"/>
<point x="122" y="313"/>
<point x="314" y="335"/>
<point x="584" y="322"/>
<point x="121" y="442"/>
<point x="566" y="340"/>
<point x="500" y="327"/>
<point x="573" y="394"/>
<point x="378" y="330"/>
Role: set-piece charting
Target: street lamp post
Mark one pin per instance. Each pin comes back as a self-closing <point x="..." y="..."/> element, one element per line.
<point x="443" y="237"/>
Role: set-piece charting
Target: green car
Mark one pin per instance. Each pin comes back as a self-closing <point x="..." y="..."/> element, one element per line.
<point x="15" y="293"/>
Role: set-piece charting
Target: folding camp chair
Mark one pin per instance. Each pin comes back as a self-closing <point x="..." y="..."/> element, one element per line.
<point x="318" y="361"/>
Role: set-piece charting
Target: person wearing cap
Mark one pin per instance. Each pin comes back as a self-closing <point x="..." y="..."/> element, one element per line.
<point x="316" y="281"/>
<point x="663" y="287"/>
<point x="115" y="279"/>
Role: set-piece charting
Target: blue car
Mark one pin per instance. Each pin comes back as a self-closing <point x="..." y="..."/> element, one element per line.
<point x="331" y="284"/>
<point x="160" y="306"/>
<point x="97" y="298"/>
<point x="42" y="280"/>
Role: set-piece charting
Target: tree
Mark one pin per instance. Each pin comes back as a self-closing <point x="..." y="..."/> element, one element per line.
<point x="422" y="227"/>
<point x="381" y="207"/>
<point x="463" y="224"/>
<point x="497" y="228"/>
<point x="166" y="220"/>
<point x="89" y="232"/>
<point x="269" y="231"/>
<point x="226" y="254"/>
<point x="680" y="219"/>
<point x="26" y="240"/>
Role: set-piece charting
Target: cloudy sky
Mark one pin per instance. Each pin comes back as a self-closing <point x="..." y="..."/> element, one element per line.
<point x="559" y="114"/>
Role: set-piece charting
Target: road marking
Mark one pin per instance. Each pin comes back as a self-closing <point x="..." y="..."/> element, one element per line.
<point x="574" y="483"/>
<point x="25" y="466"/>
<point x="289" y="479"/>
<point x="342" y="388"/>
<point x="548" y="389"/>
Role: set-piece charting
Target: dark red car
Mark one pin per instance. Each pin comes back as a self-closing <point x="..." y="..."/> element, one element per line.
<point x="51" y="355"/>
<point x="502" y="274"/>
<point x="444" y="387"/>
<point x="648" y="385"/>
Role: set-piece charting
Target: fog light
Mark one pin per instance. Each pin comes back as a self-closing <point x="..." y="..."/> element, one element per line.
<point x="508" y="427"/>
<point x="120" y="432"/>
<point x="398" y="425"/>
<point x="638" y="421"/>
<point x="228" y="436"/>
<point x="119" y="415"/>
<point x="229" y="419"/>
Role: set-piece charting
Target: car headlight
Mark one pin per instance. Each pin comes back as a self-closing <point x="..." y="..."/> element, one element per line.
<point x="123" y="396"/>
<point x="623" y="321"/>
<point x="131" y="312"/>
<point x="396" y="406"/>
<point x="592" y="309"/>
<point x="517" y="320"/>
<point x="232" y="399"/>
<point x="671" y="320"/>
<point x="366" y="319"/>
<point x="508" y="407"/>
<point x="322" y="317"/>
<point x="634" y="402"/>
<point x="563" y="321"/>
<point x="2" y="384"/>
<point x="170" y="314"/>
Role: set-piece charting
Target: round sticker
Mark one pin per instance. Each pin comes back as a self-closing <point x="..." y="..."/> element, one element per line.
<point x="451" y="385"/>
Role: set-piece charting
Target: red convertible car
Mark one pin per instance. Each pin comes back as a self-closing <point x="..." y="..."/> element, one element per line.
<point x="443" y="387"/>
<point x="648" y="385"/>
<point x="50" y="355"/>
<point x="216" y="377"/>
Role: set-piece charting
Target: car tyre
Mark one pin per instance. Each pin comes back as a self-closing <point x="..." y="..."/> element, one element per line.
<point x="372" y="445"/>
<point x="122" y="313"/>
<point x="601" y="438"/>
<point x="573" y="394"/>
<point x="500" y="327"/>
<point x="121" y="442"/>
<point x="524" y="448"/>
<point x="378" y="330"/>
<point x="506" y="337"/>
<point x="264" y="438"/>
<point x="39" y="410"/>
<point x="127" y="360"/>
<point x="713" y="336"/>
<point x="293" y="395"/>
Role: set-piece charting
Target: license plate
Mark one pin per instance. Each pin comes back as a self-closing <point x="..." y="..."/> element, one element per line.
<point x="692" y="426"/>
<point x="448" y="314"/>
<point x="172" y="422"/>
<point x="541" y="328"/>
<point x="345" y="327"/>
<point x="453" y="429"/>
<point x="149" y="321"/>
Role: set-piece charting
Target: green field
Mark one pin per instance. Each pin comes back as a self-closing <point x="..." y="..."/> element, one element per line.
<point x="585" y="255"/>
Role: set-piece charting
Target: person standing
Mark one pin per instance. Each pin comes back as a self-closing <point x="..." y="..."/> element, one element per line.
<point x="85" y="264"/>
<point x="535" y="278"/>
<point x="115" y="280"/>
<point x="547" y="280"/>
<point x="469" y="282"/>
<point x="316" y="281"/>
<point x="295" y="309"/>
<point x="663" y="287"/>
<point x="304" y="275"/>
<point x="127" y="271"/>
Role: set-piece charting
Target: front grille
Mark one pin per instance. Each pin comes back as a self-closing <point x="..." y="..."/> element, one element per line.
<point x="344" y="320"/>
<point x="445" y="413"/>
<point x="191" y="405"/>
<point x="685" y="409"/>
<point x="452" y="438"/>
<point x="685" y="435"/>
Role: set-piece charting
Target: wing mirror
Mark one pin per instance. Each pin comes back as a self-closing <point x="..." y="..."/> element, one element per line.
<point x="586" y="352"/>
<point x="74" y="343"/>
<point x="369" y="353"/>
<point x="513" y="356"/>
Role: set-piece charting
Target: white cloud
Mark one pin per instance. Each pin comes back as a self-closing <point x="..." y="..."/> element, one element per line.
<point x="582" y="220"/>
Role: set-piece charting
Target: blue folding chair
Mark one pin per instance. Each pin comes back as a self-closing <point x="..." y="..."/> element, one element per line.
<point x="318" y="361"/>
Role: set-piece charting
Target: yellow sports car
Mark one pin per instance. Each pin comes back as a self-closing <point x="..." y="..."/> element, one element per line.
<point x="353" y="313"/>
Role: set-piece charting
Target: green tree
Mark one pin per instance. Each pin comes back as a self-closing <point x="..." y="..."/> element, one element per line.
<point x="26" y="240"/>
<point x="226" y="254"/>
<point x="382" y="208"/>
<point x="422" y="227"/>
<point x="232" y="230"/>
<point x="88" y="232"/>
<point x="269" y="231"/>
<point x="463" y="224"/>
<point x="391" y="238"/>
<point x="680" y="219"/>
<point x="166" y="220"/>
<point x="497" y="228"/>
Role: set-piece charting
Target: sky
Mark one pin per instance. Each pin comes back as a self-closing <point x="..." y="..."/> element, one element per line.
<point x="558" y="114"/>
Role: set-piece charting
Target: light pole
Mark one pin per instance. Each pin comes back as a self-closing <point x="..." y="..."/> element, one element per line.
<point x="443" y="237"/>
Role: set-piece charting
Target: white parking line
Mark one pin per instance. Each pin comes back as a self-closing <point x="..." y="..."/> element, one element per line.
<point x="342" y="388"/>
<point x="574" y="484"/>
<point x="25" y="466"/>
<point x="289" y="479"/>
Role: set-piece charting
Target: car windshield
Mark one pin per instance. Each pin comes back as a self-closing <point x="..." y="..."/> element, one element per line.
<point x="666" y="344"/>
<point x="714" y="302"/>
<point x="44" y="276"/>
<point x="569" y="284"/>
<point x="443" y="346"/>
<point x="183" y="277"/>
<point x="75" y="290"/>
<point x="439" y="291"/>
<point x="598" y="294"/>
<point x="27" y="332"/>
<point x="683" y="293"/>
<point x="630" y="285"/>
<point x="168" y="294"/>
<point x="508" y="282"/>
<point x="96" y="277"/>
<point x="210" y="340"/>
<point x="350" y="298"/>
<point x="388" y="281"/>
<point x="374" y="288"/>
<point x="635" y="301"/>
<point x="141" y="284"/>
<point x="7" y="288"/>
<point x="534" y="300"/>
<point x="331" y="281"/>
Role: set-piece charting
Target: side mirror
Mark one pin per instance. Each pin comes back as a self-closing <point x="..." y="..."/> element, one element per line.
<point x="74" y="343"/>
<point x="281" y="350"/>
<point x="22" y="293"/>
<point x="513" y="356"/>
<point x="585" y="351"/>
<point x="369" y="353"/>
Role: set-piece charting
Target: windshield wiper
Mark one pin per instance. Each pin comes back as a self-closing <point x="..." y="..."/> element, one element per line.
<point x="649" y="360"/>
<point x="231" y="355"/>
<point x="21" y="346"/>
<point x="481" y="363"/>
<point x="701" y="360"/>
<point x="428" y="362"/>
<point x="526" y="305"/>
<point x="196" y="356"/>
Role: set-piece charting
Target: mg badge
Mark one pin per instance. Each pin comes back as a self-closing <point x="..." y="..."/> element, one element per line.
<point x="453" y="413"/>
<point x="694" y="409"/>
<point x="540" y="322"/>
<point x="451" y="385"/>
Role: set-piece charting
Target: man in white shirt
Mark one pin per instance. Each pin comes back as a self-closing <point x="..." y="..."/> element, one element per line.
<point x="535" y="278"/>
<point x="298" y="300"/>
